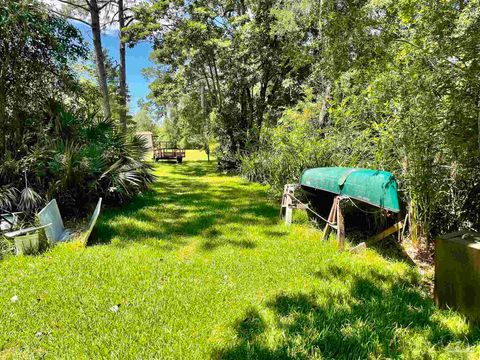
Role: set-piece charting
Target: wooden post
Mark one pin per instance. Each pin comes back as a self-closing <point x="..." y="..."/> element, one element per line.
<point x="288" y="215"/>
<point x="331" y="219"/>
<point x="282" y="207"/>
<point x="340" y="226"/>
<point x="400" y="233"/>
<point x="287" y="204"/>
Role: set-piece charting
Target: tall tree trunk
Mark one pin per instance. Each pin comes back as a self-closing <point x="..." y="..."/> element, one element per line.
<point x="215" y="90"/>
<point x="218" y="82"/>
<point x="123" y="69"/>
<point x="262" y="98"/>
<point x="478" y="121"/>
<point x="97" y="44"/>
<point x="3" y="118"/>
<point x="4" y="66"/>
<point x="324" y="108"/>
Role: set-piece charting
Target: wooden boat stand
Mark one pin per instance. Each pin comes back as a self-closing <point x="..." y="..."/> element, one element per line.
<point x="289" y="202"/>
<point x="336" y="222"/>
<point x="335" y="219"/>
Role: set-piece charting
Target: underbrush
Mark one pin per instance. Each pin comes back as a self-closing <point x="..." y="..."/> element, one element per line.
<point x="438" y="189"/>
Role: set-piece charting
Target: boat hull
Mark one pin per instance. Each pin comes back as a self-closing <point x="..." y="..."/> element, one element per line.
<point x="375" y="187"/>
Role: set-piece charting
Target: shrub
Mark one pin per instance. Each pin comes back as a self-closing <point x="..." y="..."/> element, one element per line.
<point x="52" y="142"/>
<point x="440" y="188"/>
<point x="75" y="160"/>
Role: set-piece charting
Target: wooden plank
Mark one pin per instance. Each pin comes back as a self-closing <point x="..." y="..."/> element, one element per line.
<point x="331" y="219"/>
<point x="392" y="229"/>
<point x="286" y="201"/>
<point x="289" y="203"/>
<point x="359" y="248"/>
<point x="400" y="234"/>
<point x="93" y="221"/>
<point x="340" y="226"/>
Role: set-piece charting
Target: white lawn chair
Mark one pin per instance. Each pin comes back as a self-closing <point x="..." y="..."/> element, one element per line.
<point x="56" y="232"/>
<point x="8" y="221"/>
<point x="93" y="221"/>
<point x="50" y="214"/>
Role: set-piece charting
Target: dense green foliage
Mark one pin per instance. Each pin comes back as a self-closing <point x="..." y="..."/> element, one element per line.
<point x="222" y="69"/>
<point x="198" y="271"/>
<point x="53" y="143"/>
<point x="91" y="97"/>
<point x="200" y="266"/>
<point x="385" y="84"/>
<point x="402" y="89"/>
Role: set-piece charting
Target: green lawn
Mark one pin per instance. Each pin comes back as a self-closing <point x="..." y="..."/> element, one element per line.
<point x="201" y="267"/>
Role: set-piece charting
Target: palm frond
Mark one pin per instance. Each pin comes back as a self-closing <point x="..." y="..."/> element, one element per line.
<point x="8" y="197"/>
<point x="29" y="199"/>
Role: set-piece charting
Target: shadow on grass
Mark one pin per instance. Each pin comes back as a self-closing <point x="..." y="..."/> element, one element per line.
<point x="197" y="168"/>
<point x="370" y="321"/>
<point x="183" y="203"/>
<point x="213" y="244"/>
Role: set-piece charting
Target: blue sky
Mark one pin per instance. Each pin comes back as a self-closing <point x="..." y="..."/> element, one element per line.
<point x="137" y="58"/>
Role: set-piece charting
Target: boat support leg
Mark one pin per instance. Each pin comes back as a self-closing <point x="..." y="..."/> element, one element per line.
<point x="385" y="233"/>
<point x="332" y="217"/>
<point x="336" y="217"/>
<point x="289" y="203"/>
<point x="340" y="226"/>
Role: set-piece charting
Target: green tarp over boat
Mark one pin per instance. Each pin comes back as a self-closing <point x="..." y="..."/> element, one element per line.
<point x="374" y="187"/>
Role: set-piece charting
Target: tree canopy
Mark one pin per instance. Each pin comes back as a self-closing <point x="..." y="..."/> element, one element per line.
<point x="53" y="140"/>
<point x="293" y="84"/>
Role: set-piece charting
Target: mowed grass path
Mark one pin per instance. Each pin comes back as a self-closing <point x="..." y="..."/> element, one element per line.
<point x="201" y="267"/>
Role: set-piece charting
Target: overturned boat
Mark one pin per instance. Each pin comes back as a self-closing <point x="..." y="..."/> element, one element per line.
<point x="374" y="187"/>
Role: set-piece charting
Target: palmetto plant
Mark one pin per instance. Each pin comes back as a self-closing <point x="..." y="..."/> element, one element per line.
<point x="129" y="173"/>
<point x="81" y="158"/>
<point x="51" y="144"/>
<point x="29" y="199"/>
<point x="8" y="196"/>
